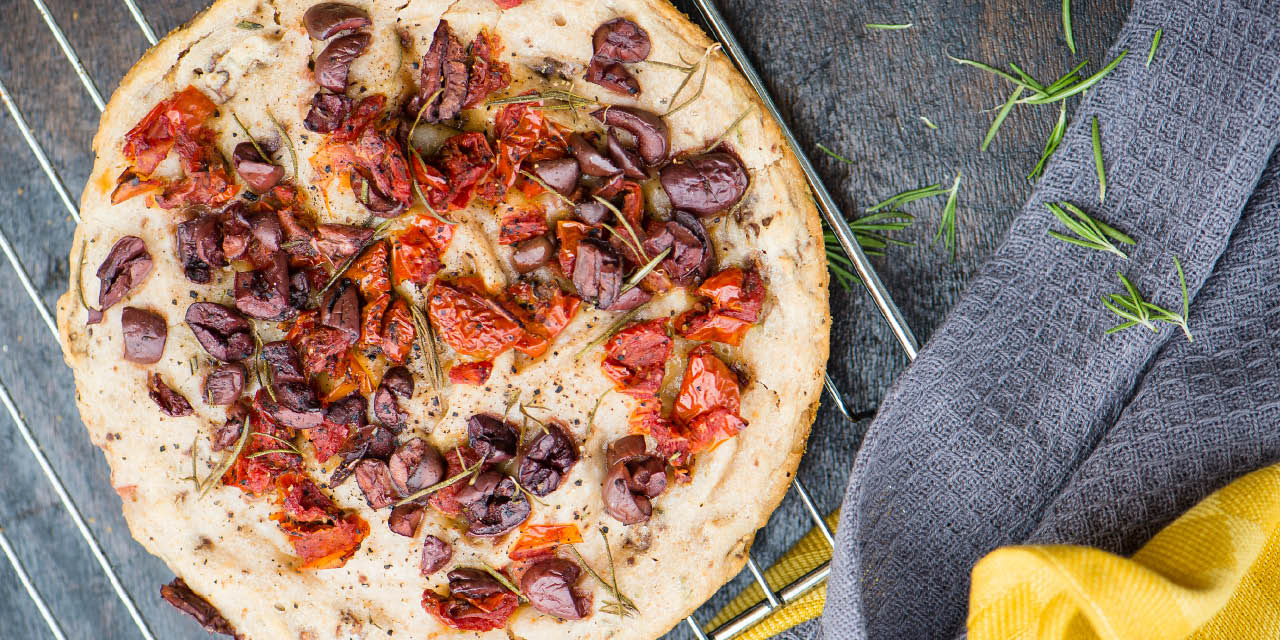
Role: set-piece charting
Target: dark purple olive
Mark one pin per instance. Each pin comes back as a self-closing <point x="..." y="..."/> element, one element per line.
<point x="630" y="299"/>
<point x="612" y="76"/>
<point x="560" y="174"/>
<point x="338" y="242"/>
<point x="532" y="253"/>
<point x="224" y="383"/>
<point x="399" y="381"/>
<point x="625" y="449"/>
<point x="256" y="171"/>
<point x="547" y="460"/>
<point x="225" y="334"/>
<point x="386" y="409"/>
<point x="415" y="466"/>
<point x="182" y="598"/>
<point x="590" y="160"/>
<point x="405" y="519"/>
<point x="368" y="442"/>
<point x="334" y="62"/>
<point x="299" y="290"/>
<point x="548" y="585"/>
<point x="444" y="70"/>
<point x="171" y="402"/>
<point x="625" y="507"/>
<point x="328" y="112"/>
<point x="705" y="184"/>
<point x="591" y="212"/>
<point x="474" y="584"/>
<point x="283" y="361"/>
<point x="348" y="410"/>
<point x="266" y="235"/>
<point x="597" y="273"/>
<point x="649" y="130"/>
<point x="382" y="443"/>
<point x="228" y="434"/>
<point x="493" y="505"/>
<point x="125" y="266"/>
<point x="373" y="199"/>
<point x="628" y="160"/>
<point x="294" y="402"/>
<point x="492" y="438"/>
<point x="375" y="483"/>
<point x="648" y="477"/>
<point x="235" y="231"/>
<point x="144" y="335"/>
<point x="436" y="553"/>
<point x="691" y="252"/>
<point x="264" y="294"/>
<point x="199" y="248"/>
<point x="621" y="40"/>
<point x="328" y="19"/>
<point x="340" y="309"/>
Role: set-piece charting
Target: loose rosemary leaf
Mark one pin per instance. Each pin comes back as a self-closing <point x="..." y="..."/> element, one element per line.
<point x="947" y="225"/>
<point x="1097" y="161"/>
<point x="1051" y="145"/>
<point x="887" y="27"/>
<point x="833" y="154"/>
<point x="1071" y="90"/>
<point x="1155" y="42"/>
<point x="1066" y="25"/>
<point x="1000" y="116"/>
<point x="928" y="123"/>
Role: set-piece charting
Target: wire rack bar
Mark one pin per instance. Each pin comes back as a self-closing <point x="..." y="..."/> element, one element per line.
<point x="25" y="579"/>
<point x="41" y="156"/>
<point x="74" y="59"/>
<point x="7" y="247"/>
<point x="142" y="21"/>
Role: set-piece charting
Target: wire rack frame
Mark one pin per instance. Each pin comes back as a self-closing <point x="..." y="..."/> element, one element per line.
<point x="826" y="204"/>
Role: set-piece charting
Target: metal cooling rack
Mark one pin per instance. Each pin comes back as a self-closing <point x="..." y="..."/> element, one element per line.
<point x="826" y="204"/>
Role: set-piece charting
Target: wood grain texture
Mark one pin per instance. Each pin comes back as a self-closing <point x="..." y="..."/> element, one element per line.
<point x="858" y="91"/>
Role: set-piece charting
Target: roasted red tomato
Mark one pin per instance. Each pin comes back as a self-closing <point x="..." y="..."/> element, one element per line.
<point x="147" y="144"/>
<point x="471" y="615"/>
<point x="711" y="326"/>
<point x="544" y="310"/>
<point x="398" y="332"/>
<point x="570" y="233"/>
<point x="321" y="534"/>
<point x="359" y="146"/>
<point x="636" y="357"/>
<point x="213" y="188"/>
<point x="508" y="4"/>
<point x="370" y="271"/>
<point x="476" y="373"/>
<point x="522" y="224"/>
<point x="130" y="184"/>
<point x="256" y="475"/>
<point x="537" y="539"/>
<point x="486" y="76"/>
<point x="445" y="500"/>
<point x="301" y="500"/>
<point x="736" y="299"/>
<point x="522" y="133"/>
<point x="465" y="160"/>
<point x="371" y="322"/>
<point x="417" y="250"/>
<point x="708" y="385"/>
<point x="323" y="350"/>
<point x="328" y="438"/>
<point x="471" y="322"/>
<point x="432" y="183"/>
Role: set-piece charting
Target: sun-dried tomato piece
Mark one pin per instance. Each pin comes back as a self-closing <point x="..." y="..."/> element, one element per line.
<point x="130" y="184"/>
<point x="148" y="142"/>
<point x="417" y="250"/>
<point x="636" y="357"/>
<point x="708" y="384"/>
<point x="544" y="310"/>
<point x="538" y="539"/>
<point x="255" y="475"/>
<point x="522" y="224"/>
<point x="521" y="133"/>
<point x="471" y="322"/>
<point x="471" y="615"/>
<point x="370" y="271"/>
<point x="735" y="292"/>
<point x="328" y="438"/>
<point x="398" y="332"/>
<point x="432" y="183"/>
<point x="371" y="323"/>
<point x="487" y="76"/>
<point x="476" y="373"/>
<point x="465" y="159"/>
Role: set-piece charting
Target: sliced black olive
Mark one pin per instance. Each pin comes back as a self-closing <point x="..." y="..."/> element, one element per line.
<point x="333" y="64"/>
<point x="592" y="162"/>
<point x="474" y="584"/>
<point x="328" y="19"/>
<point x="373" y="199"/>
<point x="338" y="242"/>
<point x="399" y="381"/>
<point x="375" y="483"/>
<point x="621" y="40"/>
<point x="171" y="402"/>
<point x="264" y="294"/>
<point x="597" y="273"/>
<point x="630" y="299"/>
<point x="436" y="553"/>
<point x="222" y="332"/>
<point x="625" y="449"/>
<point x="548" y="585"/>
<point x="648" y="128"/>
<point x="415" y="466"/>
<point x="444" y="77"/>
<point x="340" y="309"/>
<point x="560" y="174"/>
<point x="178" y="594"/>
<point x="532" y="253"/>
<point x="256" y="171"/>
<point x="625" y="158"/>
<point x="387" y="410"/>
<point x="144" y="335"/>
<point x="705" y="184"/>
<point x="492" y="438"/>
<point x="691" y="252"/>
<point x="328" y="112"/>
<point x="547" y="461"/>
<point x="493" y="505"/>
<point x="224" y="383"/>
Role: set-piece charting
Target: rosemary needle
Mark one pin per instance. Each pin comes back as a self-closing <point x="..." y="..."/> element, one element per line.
<point x="1051" y="145"/>
<point x="1155" y="42"/>
<point x="947" y="226"/>
<point x="833" y="154"/>
<point x="887" y="27"/>
<point x="928" y="123"/>
<point x="1003" y="113"/>
<point x="1097" y="161"/>
<point x="1066" y="25"/>
<point x="1073" y="89"/>
<point x="1089" y="233"/>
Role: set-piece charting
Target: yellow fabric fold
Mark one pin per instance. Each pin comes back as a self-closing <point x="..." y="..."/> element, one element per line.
<point x="1212" y="573"/>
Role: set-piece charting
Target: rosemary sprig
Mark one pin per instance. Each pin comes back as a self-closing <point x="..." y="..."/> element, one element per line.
<point x="1066" y="25"/>
<point x="947" y="226"/>
<point x="80" y="278"/>
<point x="427" y="343"/>
<point x="249" y="136"/>
<point x="292" y="449"/>
<point x="1068" y="85"/>
<point x="833" y="154"/>
<point x="608" y="333"/>
<point x="497" y="575"/>
<point x="542" y="426"/>
<point x="1097" y="161"/>
<point x="591" y="418"/>
<point x="559" y="95"/>
<point x="644" y="271"/>
<point x="271" y="451"/>
<point x="868" y="231"/>
<point x="248" y="26"/>
<point x="1067" y="78"/>
<point x="997" y="72"/>
<point x="897" y="200"/>
<point x="418" y="118"/>
<point x="447" y="482"/>
<point x="1090" y="233"/>
<point x="1000" y="116"/>
<point x="686" y="68"/>
<point x="887" y="27"/>
<point x="737" y="121"/>
<point x="622" y="606"/>
<point x="285" y="134"/>
<point x="928" y="123"/>
<point x="1155" y="42"/>
<point x="1136" y="311"/>
<point x="221" y="469"/>
<point x="689" y="76"/>
<point x="1072" y="89"/>
<point x="635" y="240"/>
<point x="1051" y="145"/>
<point x="417" y="190"/>
<point x="260" y="369"/>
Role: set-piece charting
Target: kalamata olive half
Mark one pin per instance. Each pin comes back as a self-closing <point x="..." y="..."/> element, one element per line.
<point x="648" y="128"/>
<point x="705" y="184"/>
<point x="492" y="438"/>
<point x="597" y="273"/>
<point x="591" y="212"/>
<point x="328" y="112"/>
<point x="474" y="584"/>
<point x="126" y="265"/>
<point x="224" y="383"/>
<point x="625" y="449"/>
<point x="399" y="381"/>
<point x="436" y="553"/>
<point x="348" y="410"/>
<point x="368" y="194"/>
<point x="200" y="247"/>
<point x="547" y="461"/>
<point x="334" y="62"/>
<point x="691" y="253"/>
<point x="548" y="585"/>
<point x="387" y="410"/>
<point x="532" y="253"/>
<point x="264" y="294"/>
<point x="619" y="501"/>
<point x="621" y="40"/>
<point x="340" y="309"/>
<point x="375" y="483"/>
<point x="630" y="299"/>
<point x="648" y="477"/>
<point x="415" y="466"/>
<point x="328" y="19"/>
<point x="171" y="403"/>
<point x="590" y="160"/>
<point x="222" y="332"/>
<point x="256" y="171"/>
<point x="560" y="174"/>
<point x="612" y="76"/>
<point x="144" y="335"/>
<point x="405" y="519"/>
<point x="493" y="505"/>
<point x="625" y="158"/>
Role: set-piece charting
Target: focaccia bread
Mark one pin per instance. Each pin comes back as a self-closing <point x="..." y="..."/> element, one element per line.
<point x="432" y="319"/>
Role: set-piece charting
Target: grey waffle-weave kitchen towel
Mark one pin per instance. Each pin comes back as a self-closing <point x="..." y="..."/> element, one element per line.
<point x="1022" y="421"/>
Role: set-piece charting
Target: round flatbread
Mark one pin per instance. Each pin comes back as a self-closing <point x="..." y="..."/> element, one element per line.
<point x="141" y="372"/>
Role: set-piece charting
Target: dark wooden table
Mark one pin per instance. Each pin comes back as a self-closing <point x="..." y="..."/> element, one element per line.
<point x="861" y="92"/>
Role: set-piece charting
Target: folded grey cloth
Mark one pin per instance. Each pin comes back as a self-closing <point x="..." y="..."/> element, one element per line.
<point x="1022" y="421"/>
